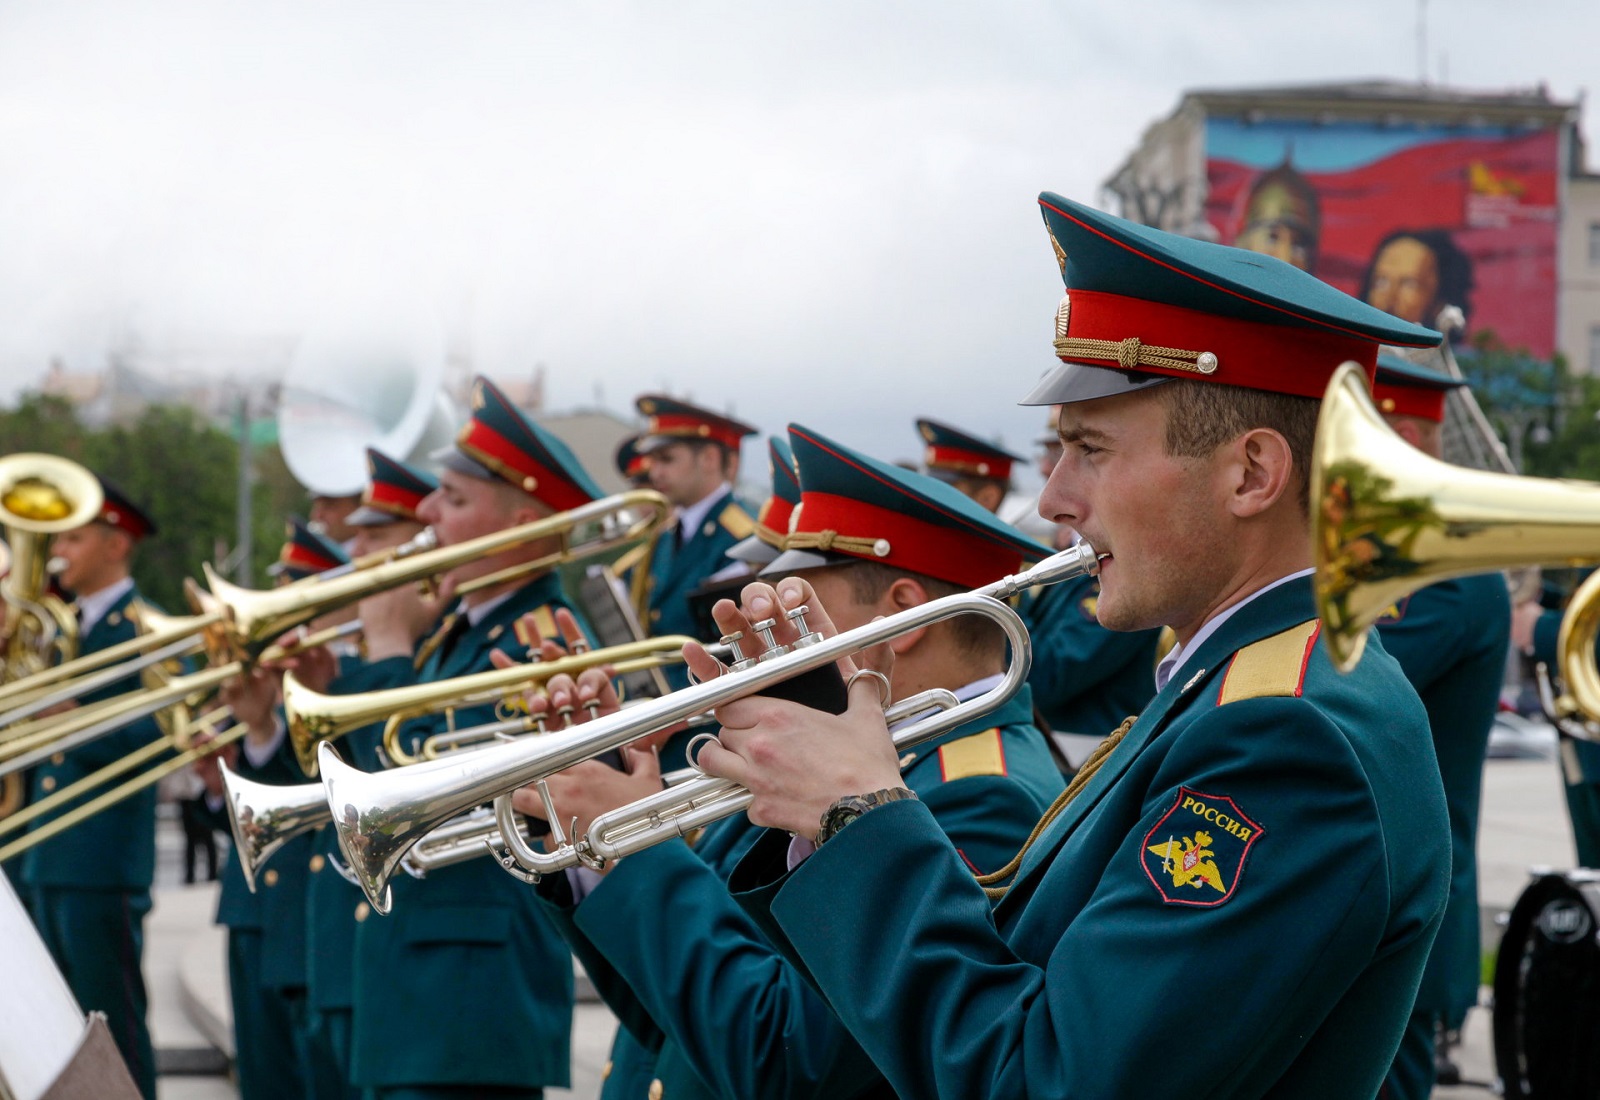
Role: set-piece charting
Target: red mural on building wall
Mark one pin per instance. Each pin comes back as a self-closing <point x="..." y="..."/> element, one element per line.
<point x="1408" y="220"/>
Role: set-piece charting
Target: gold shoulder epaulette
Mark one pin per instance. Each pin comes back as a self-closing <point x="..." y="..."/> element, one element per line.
<point x="979" y="754"/>
<point x="736" y="521"/>
<point x="1274" y="666"/>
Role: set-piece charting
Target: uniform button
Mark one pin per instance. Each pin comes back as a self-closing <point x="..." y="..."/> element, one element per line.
<point x="270" y="878"/>
<point x="605" y="1070"/>
<point x="316" y="863"/>
<point x="48" y="783"/>
<point x="59" y="759"/>
<point x="361" y="912"/>
<point x="657" y="1091"/>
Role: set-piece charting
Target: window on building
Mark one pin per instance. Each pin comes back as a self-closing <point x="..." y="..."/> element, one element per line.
<point x="1594" y="350"/>
<point x="1594" y="244"/>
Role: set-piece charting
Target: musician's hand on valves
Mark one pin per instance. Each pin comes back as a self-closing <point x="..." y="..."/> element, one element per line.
<point x="252" y="696"/>
<point x="797" y="761"/>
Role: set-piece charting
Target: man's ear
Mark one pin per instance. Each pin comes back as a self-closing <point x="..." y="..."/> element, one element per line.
<point x="904" y="594"/>
<point x="1261" y="471"/>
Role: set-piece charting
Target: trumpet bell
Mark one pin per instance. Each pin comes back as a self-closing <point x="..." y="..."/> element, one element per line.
<point x="264" y="817"/>
<point x="1387" y="519"/>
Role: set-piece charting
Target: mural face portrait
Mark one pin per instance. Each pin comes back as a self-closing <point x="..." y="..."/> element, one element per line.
<point x="1283" y="218"/>
<point x="1405" y="281"/>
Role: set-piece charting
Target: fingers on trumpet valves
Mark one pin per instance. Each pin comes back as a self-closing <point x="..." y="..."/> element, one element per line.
<point x="696" y="743"/>
<point x="877" y="679"/>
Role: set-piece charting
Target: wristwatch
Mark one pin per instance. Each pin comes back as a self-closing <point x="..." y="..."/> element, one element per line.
<point x="852" y="806"/>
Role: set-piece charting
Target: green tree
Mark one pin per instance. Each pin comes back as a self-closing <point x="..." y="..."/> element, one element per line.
<point x="182" y="469"/>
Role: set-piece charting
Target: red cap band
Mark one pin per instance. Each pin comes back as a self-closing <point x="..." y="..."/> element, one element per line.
<point x="1423" y="401"/>
<point x="387" y="497"/>
<point x="689" y="427"/>
<point x="493" y="450"/>
<point x="967" y="559"/>
<point x="1288" y="359"/>
<point x="957" y="460"/>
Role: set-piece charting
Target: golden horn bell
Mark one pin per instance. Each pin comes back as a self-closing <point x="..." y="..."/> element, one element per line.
<point x="1388" y="520"/>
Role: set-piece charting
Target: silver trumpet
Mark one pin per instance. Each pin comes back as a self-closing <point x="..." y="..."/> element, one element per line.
<point x="380" y="817"/>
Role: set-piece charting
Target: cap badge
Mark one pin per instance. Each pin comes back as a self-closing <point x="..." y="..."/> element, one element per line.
<point x="1063" y="311"/>
<point x="1061" y="254"/>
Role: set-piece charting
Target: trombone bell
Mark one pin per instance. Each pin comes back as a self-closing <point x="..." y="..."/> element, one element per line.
<point x="1387" y="519"/>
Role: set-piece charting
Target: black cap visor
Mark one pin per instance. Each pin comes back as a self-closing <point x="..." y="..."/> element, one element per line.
<point x="1073" y="382"/>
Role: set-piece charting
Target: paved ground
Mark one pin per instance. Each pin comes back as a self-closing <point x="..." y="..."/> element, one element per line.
<point x="1524" y="824"/>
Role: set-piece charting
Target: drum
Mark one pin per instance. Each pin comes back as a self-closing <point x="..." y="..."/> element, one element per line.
<point x="1547" y="990"/>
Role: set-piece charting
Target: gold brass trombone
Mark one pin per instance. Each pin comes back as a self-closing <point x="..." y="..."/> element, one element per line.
<point x="24" y="745"/>
<point x="73" y="791"/>
<point x="380" y="817"/>
<point x="1387" y="520"/>
<point x="254" y="617"/>
<point x="314" y="717"/>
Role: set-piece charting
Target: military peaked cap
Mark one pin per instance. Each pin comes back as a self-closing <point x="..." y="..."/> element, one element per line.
<point x="1143" y="306"/>
<point x="856" y="508"/>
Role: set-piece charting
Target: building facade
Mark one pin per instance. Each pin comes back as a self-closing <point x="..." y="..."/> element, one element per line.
<point x="1413" y="197"/>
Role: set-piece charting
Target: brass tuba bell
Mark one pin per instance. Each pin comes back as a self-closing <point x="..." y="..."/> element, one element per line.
<point x="1387" y="519"/>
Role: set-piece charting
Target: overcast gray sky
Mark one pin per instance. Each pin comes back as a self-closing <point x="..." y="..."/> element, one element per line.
<point x="821" y="212"/>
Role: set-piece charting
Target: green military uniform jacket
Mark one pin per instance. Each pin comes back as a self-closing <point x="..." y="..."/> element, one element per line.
<point x="709" y="1008"/>
<point x="114" y="849"/>
<point x="1451" y="640"/>
<point x="331" y="900"/>
<point x="464" y="982"/>
<point x="1240" y="902"/>
<point x="675" y="571"/>
<point x="1085" y="679"/>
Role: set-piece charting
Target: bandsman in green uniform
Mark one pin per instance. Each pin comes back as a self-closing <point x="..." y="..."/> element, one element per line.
<point x="273" y="1054"/>
<point x="1241" y="899"/>
<point x="1451" y="640"/>
<point x="465" y="990"/>
<point x="89" y="887"/>
<point x="386" y="519"/>
<point x="1085" y="678"/>
<point x="708" y="1007"/>
<point x="694" y="461"/>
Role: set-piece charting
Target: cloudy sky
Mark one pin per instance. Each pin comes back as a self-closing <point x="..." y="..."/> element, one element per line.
<point x="820" y="212"/>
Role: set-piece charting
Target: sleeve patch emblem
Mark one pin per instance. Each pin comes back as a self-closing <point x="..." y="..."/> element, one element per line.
<point x="1195" y="854"/>
<point x="1089" y="608"/>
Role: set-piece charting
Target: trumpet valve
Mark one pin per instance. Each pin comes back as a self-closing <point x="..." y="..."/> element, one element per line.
<point x="797" y="616"/>
<point x="774" y="649"/>
<point x="740" y="662"/>
<point x="565" y="714"/>
<point x="592" y="706"/>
